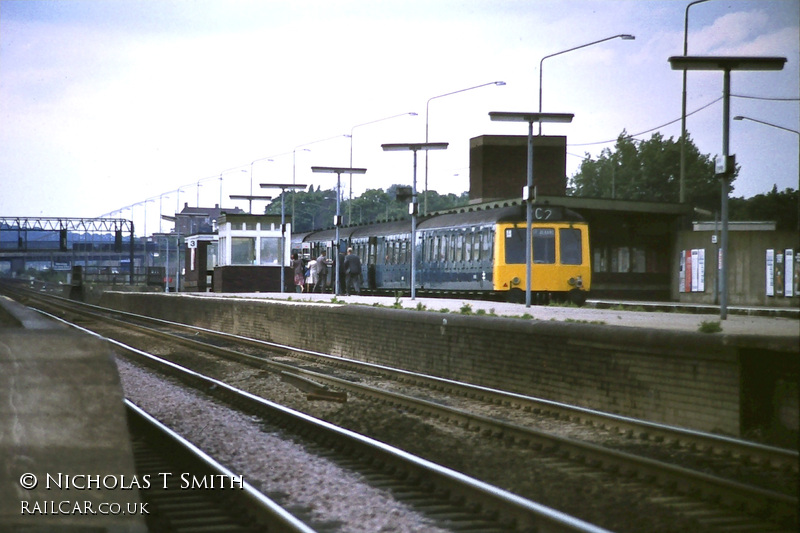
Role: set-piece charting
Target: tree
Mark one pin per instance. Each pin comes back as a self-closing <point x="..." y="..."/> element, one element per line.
<point x="649" y="171"/>
<point x="782" y="207"/>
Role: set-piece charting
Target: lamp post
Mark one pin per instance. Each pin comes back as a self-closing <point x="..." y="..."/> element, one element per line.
<point x="740" y="117"/>
<point x="682" y="179"/>
<point x="427" y="106"/>
<point x="414" y="147"/>
<point x="283" y="187"/>
<point x="294" y="159"/>
<point x="623" y="36"/>
<point x="350" y="203"/>
<point x="220" y="183"/>
<point x="527" y="193"/>
<point x="177" y="242"/>
<point x="337" y="221"/>
<point x="726" y="65"/>
<point x="144" y="229"/>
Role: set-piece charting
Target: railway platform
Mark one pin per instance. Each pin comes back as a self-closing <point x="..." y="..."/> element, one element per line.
<point x="63" y="430"/>
<point x="778" y="322"/>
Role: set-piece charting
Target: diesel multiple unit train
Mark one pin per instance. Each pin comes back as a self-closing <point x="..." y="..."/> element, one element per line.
<point x="476" y="251"/>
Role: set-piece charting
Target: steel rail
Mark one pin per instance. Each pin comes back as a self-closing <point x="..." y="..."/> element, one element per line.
<point x="731" y="493"/>
<point x="779" y="458"/>
<point x="520" y="512"/>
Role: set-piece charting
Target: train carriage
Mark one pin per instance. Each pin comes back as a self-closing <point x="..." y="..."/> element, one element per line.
<point x="476" y="251"/>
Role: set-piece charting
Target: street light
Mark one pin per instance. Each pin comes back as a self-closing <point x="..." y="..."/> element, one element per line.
<point x="726" y="65"/>
<point x="527" y="193"/>
<point x="414" y="147"/>
<point x="283" y="187"/>
<point x="350" y="204"/>
<point x="740" y="117"/>
<point x="623" y="36"/>
<point x="681" y="188"/>
<point x="427" y="106"/>
<point x="294" y="159"/>
<point x="220" y="183"/>
<point x="337" y="221"/>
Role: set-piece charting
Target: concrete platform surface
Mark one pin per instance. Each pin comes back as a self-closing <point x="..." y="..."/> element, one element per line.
<point x="735" y="324"/>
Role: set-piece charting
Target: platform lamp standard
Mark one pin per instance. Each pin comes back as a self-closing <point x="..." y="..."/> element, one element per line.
<point x="352" y="132"/>
<point x="725" y="168"/>
<point x="283" y="187"/>
<point x="528" y="195"/>
<point x="414" y="147"/>
<point x="623" y="36"/>
<point x="790" y="130"/>
<point x="427" y="108"/>
<point x="337" y="220"/>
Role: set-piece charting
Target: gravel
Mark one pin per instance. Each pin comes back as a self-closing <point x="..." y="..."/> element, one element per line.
<point x="280" y="468"/>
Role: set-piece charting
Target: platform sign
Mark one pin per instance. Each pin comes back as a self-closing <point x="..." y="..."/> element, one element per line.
<point x="789" y="275"/>
<point x="62" y="265"/>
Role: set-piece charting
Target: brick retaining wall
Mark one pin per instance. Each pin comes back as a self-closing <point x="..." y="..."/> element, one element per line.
<point x="681" y="378"/>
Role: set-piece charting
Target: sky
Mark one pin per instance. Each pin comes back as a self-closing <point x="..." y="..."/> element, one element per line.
<point x="127" y="107"/>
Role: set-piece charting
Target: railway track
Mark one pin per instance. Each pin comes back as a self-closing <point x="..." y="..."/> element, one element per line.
<point x="237" y="508"/>
<point x="449" y="500"/>
<point x="770" y="508"/>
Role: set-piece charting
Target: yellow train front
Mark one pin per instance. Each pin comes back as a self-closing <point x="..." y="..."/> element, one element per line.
<point x="474" y="253"/>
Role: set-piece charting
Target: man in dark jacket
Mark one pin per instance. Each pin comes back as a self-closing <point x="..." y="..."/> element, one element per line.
<point x="352" y="269"/>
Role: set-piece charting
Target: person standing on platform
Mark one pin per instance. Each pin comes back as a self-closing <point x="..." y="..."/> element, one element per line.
<point x="352" y="268"/>
<point x="321" y="274"/>
<point x="299" y="274"/>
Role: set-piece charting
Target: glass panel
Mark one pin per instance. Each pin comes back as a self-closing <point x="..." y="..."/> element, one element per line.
<point x="544" y="245"/>
<point x="515" y="245"/>
<point x="468" y="247"/>
<point x="250" y="226"/>
<point x="571" y="252"/>
<point x="243" y="250"/>
<point x="270" y="250"/>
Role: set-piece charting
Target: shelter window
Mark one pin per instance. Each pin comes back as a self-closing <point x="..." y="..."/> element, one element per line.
<point x="243" y="250"/>
<point x="270" y="250"/>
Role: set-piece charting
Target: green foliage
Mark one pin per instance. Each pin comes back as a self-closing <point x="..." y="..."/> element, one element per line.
<point x="782" y="207"/>
<point x="710" y="326"/>
<point x="648" y="171"/>
<point x="315" y="209"/>
<point x="466" y="309"/>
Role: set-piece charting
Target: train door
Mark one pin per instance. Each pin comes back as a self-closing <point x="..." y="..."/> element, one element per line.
<point x="372" y="260"/>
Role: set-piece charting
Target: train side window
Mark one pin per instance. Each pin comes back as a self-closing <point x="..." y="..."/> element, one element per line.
<point x="515" y="245"/>
<point x="544" y="245"/>
<point x="488" y="245"/>
<point x="459" y="248"/>
<point x="476" y="246"/>
<point x="570" y="246"/>
<point x="468" y="247"/>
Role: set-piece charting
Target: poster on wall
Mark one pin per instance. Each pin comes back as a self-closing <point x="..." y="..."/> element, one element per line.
<point x="701" y="270"/>
<point x="692" y="273"/>
<point x="770" y="272"/>
<point x="778" y="282"/>
<point x="797" y="273"/>
<point x="788" y="290"/>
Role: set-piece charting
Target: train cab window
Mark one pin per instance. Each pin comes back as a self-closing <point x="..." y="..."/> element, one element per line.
<point x="544" y="245"/>
<point x="570" y="246"/>
<point x="515" y="245"/>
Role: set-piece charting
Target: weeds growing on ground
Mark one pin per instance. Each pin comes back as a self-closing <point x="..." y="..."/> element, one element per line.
<point x="709" y="326"/>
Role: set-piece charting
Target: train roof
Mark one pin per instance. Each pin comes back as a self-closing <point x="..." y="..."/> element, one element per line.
<point x="465" y="216"/>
